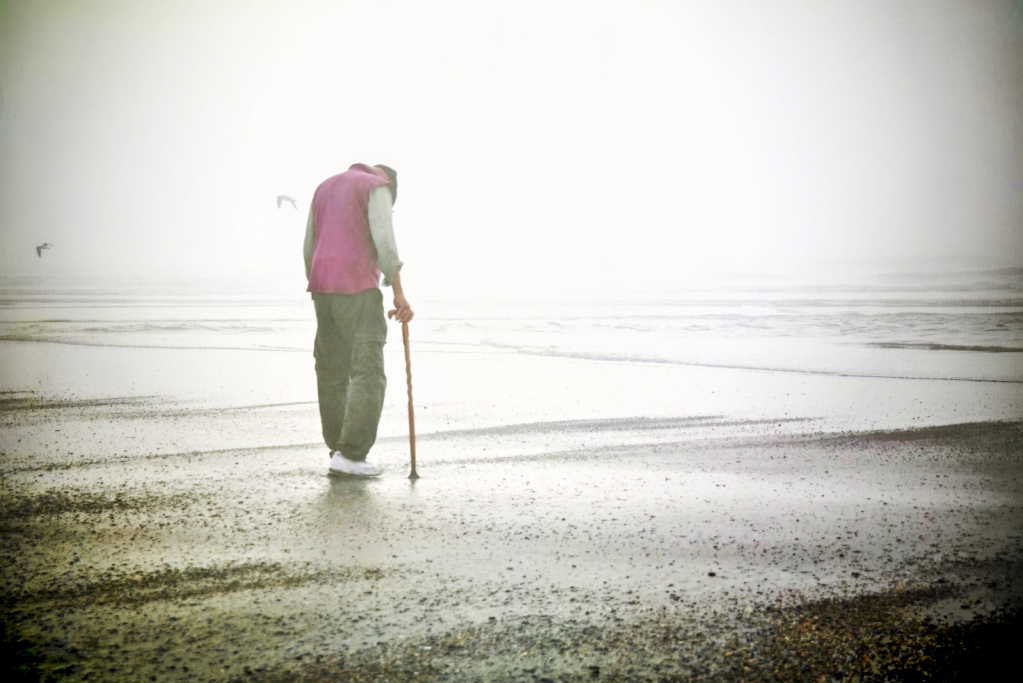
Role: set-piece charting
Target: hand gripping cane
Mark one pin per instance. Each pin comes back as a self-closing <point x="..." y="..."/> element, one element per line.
<point x="408" y="377"/>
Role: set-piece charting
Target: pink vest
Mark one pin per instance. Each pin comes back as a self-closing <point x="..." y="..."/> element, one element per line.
<point x="344" y="258"/>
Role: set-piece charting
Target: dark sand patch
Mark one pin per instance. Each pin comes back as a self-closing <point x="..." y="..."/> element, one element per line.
<point x="21" y="505"/>
<point x="866" y="638"/>
<point x="84" y="589"/>
<point x="9" y="402"/>
<point x="946" y="347"/>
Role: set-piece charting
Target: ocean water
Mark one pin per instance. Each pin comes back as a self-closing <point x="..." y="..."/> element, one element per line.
<point x="964" y="326"/>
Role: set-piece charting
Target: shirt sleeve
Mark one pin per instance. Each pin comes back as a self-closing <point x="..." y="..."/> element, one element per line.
<point x="310" y="242"/>
<point x="381" y="230"/>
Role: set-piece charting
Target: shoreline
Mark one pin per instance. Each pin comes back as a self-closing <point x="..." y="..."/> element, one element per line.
<point x="485" y="348"/>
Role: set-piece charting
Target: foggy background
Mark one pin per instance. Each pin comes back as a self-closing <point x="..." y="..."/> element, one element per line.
<point x="541" y="146"/>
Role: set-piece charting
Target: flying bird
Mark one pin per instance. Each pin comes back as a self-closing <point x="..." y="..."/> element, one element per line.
<point x="39" y="249"/>
<point x="282" y="198"/>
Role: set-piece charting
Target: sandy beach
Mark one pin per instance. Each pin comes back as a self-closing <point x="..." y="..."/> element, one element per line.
<point x="180" y="525"/>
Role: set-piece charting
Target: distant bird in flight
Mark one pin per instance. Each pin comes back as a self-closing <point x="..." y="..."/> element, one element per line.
<point x="282" y="198"/>
<point x="39" y="249"/>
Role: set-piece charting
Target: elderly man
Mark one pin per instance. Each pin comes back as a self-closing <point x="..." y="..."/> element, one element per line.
<point x="349" y="244"/>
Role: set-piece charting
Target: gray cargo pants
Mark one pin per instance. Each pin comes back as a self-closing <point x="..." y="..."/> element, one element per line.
<point x="349" y="351"/>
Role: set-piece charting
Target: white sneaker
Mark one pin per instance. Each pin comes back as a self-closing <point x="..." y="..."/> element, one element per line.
<point x="340" y="466"/>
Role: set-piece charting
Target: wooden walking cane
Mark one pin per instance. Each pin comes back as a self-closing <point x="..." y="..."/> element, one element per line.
<point x="408" y="377"/>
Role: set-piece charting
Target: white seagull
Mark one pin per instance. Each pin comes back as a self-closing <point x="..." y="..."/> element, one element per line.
<point x="282" y="198"/>
<point x="39" y="249"/>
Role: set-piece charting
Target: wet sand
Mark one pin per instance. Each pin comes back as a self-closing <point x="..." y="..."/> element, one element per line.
<point x="183" y="527"/>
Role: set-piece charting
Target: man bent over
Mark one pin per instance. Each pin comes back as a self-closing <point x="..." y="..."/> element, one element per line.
<point x="349" y="244"/>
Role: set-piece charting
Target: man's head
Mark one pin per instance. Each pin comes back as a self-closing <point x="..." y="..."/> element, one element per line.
<point x="392" y="176"/>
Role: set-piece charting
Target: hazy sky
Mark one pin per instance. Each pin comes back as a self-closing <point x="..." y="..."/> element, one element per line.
<point x="550" y="144"/>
